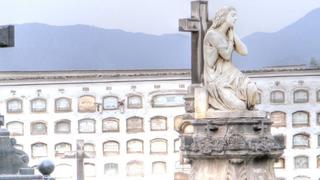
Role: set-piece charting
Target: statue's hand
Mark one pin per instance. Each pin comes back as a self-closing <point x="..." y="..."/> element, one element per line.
<point x="231" y="35"/>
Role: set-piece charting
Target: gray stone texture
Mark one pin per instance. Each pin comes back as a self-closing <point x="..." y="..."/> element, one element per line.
<point x="232" y="146"/>
<point x="6" y="36"/>
<point x="11" y="159"/>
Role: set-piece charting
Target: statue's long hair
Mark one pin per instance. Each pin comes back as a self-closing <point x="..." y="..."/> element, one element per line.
<point x="221" y="16"/>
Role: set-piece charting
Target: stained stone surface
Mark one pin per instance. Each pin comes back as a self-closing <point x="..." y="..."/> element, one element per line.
<point x="6" y="36"/>
<point x="232" y="146"/>
<point x="11" y="159"/>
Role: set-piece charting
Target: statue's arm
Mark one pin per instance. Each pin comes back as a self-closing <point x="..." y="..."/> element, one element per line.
<point x="239" y="46"/>
<point x="210" y="54"/>
<point x="224" y="50"/>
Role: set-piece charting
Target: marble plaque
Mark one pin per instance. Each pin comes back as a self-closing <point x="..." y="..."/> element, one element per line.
<point x="14" y="106"/>
<point x="135" y="168"/>
<point x="159" y="146"/>
<point x="110" y="103"/>
<point x="301" y="162"/>
<point x="158" y="124"/>
<point x="38" y="105"/>
<point x="277" y="97"/>
<point x="39" y="150"/>
<point x="15" y="128"/>
<point x="63" y="105"/>
<point x="301" y="96"/>
<point x="110" y="125"/>
<point x="278" y="118"/>
<point x="38" y="128"/>
<point x="87" y="126"/>
<point x="300" y="118"/>
<point x="111" y="169"/>
<point x="135" y="146"/>
<point x="134" y="101"/>
<point x="87" y="104"/>
<point x="134" y="124"/>
<point x="168" y="100"/>
<point x="159" y="167"/>
<point x="110" y="147"/>
<point x="63" y="126"/>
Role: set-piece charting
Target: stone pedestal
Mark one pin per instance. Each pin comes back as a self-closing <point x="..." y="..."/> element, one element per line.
<point x="14" y="162"/>
<point x="11" y="159"/>
<point x="231" y="146"/>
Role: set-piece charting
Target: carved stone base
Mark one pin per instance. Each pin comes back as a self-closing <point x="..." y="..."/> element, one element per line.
<point x="215" y="169"/>
<point x="231" y="146"/>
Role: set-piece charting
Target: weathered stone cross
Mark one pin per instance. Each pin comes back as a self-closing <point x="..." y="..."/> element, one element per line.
<point x="79" y="155"/>
<point x="6" y="36"/>
<point x="197" y="25"/>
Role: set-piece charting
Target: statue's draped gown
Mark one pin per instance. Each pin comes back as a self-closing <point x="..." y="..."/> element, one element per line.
<point x="228" y="88"/>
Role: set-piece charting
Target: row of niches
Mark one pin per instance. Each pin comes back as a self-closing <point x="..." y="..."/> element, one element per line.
<point x="136" y="168"/>
<point x="132" y="168"/>
<point x="299" y="119"/>
<point x="157" y="146"/>
<point x="89" y="104"/>
<point x="302" y="140"/>
<point x="279" y="97"/>
<point x="300" y="177"/>
<point x="300" y="162"/>
<point x="134" y="124"/>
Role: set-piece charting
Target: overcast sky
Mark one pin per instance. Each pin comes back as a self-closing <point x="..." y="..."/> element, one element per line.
<point x="151" y="16"/>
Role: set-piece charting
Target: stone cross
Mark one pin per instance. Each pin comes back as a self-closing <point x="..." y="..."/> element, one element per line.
<point x="6" y="36"/>
<point x="79" y="155"/>
<point x="197" y="25"/>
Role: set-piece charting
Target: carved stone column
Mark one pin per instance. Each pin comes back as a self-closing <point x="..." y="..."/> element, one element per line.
<point x="231" y="146"/>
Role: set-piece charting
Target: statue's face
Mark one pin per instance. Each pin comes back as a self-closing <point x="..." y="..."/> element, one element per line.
<point x="231" y="18"/>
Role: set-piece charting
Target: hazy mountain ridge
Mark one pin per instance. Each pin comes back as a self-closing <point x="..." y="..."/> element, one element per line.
<point x="294" y="44"/>
<point x="45" y="47"/>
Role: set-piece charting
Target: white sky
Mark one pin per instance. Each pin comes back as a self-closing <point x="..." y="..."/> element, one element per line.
<point x="151" y="16"/>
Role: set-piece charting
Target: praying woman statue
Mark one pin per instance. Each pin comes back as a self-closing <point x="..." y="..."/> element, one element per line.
<point x="228" y="88"/>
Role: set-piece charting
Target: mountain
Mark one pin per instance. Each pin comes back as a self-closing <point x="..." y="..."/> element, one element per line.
<point x="44" y="47"/>
<point x="294" y="44"/>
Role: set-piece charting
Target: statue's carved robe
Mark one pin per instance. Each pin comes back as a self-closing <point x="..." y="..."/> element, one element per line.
<point x="228" y="88"/>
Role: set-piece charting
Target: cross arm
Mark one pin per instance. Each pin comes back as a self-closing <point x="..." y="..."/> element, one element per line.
<point x="189" y="25"/>
<point x="7" y="36"/>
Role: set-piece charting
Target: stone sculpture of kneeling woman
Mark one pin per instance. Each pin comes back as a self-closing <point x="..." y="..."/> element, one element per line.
<point x="227" y="87"/>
